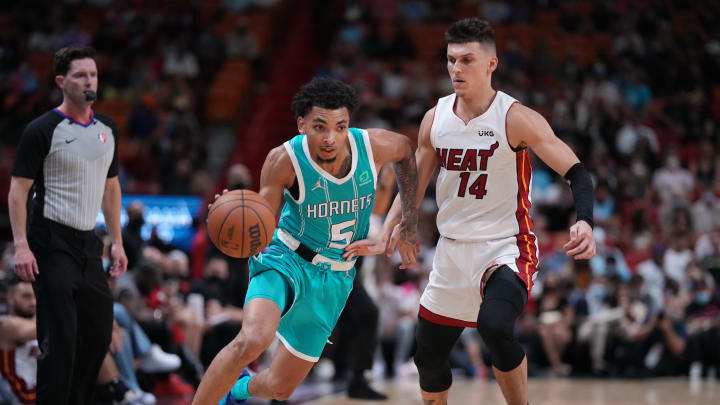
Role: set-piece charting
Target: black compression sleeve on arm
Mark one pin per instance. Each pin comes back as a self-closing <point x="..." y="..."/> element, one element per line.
<point x="582" y="190"/>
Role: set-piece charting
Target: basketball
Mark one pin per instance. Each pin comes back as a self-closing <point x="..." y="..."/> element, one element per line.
<point x="240" y="223"/>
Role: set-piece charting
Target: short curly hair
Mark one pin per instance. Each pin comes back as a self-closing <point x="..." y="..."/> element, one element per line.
<point x="64" y="57"/>
<point x="324" y="92"/>
<point x="470" y="30"/>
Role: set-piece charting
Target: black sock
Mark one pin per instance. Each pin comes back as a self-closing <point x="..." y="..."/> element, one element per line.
<point x="113" y="391"/>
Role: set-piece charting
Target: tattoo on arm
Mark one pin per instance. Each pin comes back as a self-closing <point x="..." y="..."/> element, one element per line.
<point x="406" y="171"/>
<point x="429" y="402"/>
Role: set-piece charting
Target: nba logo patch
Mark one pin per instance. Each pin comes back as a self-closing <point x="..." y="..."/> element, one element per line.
<point x="102" y="137"/>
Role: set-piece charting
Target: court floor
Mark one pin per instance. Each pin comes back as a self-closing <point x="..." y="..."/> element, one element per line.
<point x="553" y="392"/>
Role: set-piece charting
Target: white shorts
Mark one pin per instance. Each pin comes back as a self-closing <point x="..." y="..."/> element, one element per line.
<point x="454" y="292"/>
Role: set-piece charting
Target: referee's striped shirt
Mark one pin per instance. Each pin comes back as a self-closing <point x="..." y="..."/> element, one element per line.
<point x="70" y="162"/>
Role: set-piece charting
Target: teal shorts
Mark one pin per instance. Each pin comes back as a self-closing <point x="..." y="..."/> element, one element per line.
<point x="310" y="297"/>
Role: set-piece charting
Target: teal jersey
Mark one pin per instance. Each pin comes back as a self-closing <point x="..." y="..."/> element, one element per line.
<point x="330" y="213"/>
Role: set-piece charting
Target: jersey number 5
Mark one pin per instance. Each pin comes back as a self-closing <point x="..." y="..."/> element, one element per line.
<point x="337" y="234"/>
<point x="477" y="188"/>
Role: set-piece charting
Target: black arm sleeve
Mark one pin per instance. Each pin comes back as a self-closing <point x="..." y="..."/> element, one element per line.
<point x="33" y="148"/>
<point x="582" y="190"/>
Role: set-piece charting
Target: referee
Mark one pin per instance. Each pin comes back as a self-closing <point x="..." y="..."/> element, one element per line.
<point x="68" y="157"/>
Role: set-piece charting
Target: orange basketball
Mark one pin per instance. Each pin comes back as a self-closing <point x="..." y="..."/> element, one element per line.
<point x="241" y="223"/>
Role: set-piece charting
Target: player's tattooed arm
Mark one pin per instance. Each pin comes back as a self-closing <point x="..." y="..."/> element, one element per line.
<point x="388" y="146"/>
<point x="392" y="147"/>
<point x="406" y="171"/>
<point x="429" y="402"/>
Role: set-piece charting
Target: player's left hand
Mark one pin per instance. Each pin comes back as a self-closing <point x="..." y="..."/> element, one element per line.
<point x="582" y="242"/>
<point x="119" y="265"/>
<point x="364" y="247"/>
<point x="407" y="244"/>
<point x="225" y="191"/>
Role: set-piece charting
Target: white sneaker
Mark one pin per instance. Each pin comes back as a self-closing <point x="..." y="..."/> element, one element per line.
<point x="147" y="398"/>
<point x="158" y="361"/>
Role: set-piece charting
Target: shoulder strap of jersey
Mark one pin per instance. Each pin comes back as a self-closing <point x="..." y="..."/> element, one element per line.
<point x="364" y="148"/>
<point x="293" y="148"/>
<point x="443" y="107"/>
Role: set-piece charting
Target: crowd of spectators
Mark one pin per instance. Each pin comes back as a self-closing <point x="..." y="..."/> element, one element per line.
<point x="641" y="110"/>
<point x="157" y="61"/>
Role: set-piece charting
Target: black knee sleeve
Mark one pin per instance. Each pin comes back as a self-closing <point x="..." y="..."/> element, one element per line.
<point x="503" y="302"/>
<point x="434" y="343"/>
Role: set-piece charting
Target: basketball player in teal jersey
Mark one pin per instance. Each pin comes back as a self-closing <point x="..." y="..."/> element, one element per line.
<point x="300" y="282"/>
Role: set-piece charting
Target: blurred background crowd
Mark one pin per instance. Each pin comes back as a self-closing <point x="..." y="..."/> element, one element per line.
<point x="200" y="91"/>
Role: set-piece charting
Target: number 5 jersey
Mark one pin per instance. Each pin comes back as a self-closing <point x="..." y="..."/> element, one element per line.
<point x="329" y="213"/>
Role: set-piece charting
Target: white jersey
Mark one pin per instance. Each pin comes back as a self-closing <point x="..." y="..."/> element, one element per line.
<point x="18" y="371"/>
<point x="483" y="189"/>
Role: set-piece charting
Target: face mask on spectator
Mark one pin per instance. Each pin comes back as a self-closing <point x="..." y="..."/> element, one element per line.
<point x="702" y="298"/>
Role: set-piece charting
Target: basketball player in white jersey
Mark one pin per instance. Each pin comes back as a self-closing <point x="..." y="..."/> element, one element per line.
<point x="18" y="345"/>
<point x="487" y="255"/>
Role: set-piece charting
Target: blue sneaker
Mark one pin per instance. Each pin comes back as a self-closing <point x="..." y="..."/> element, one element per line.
<point x="228" y="399"/>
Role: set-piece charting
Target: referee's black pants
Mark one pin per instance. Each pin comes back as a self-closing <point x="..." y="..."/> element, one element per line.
<point x="74" y="312"/>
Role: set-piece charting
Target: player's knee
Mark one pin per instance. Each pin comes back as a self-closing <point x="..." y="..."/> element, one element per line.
<point x="496" y="327"/>
<point x="434" y="370"/>
<point x="493" y="327"/>
<point x="249" y="345"/>
<point x="425" y="359"/>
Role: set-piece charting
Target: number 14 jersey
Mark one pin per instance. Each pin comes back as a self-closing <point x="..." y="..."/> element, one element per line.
<point x="483" y="188"/>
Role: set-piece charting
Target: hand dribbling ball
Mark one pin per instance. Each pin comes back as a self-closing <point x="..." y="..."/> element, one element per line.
<point x="240" y="223"/>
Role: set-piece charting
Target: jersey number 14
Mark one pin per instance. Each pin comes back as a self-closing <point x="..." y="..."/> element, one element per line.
<point x="477" y="188"/>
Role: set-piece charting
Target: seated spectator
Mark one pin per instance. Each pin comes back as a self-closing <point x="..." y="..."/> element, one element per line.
<point x="131" y="233"/>
<point x="137" y="349"/>
<point x="555" y="318"/>
<point x="222" y="320"/>
<point x="241" y="43"/>
<point x="672" y="180"/>
<point x="18" y="340"/>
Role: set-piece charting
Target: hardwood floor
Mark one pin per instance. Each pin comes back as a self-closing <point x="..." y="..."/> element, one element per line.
<point x="554" y="392"/>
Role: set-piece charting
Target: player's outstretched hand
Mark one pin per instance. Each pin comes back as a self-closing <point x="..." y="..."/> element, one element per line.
<point x="582" y="242"/>
<point x="216" y="197"/>
<point x="406" y="243"/>
<point x="364" y="247"/>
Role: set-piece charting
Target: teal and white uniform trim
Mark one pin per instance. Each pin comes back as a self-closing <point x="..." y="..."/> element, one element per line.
<point x="330" y="212"/>
<point x="307" y="247"/>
